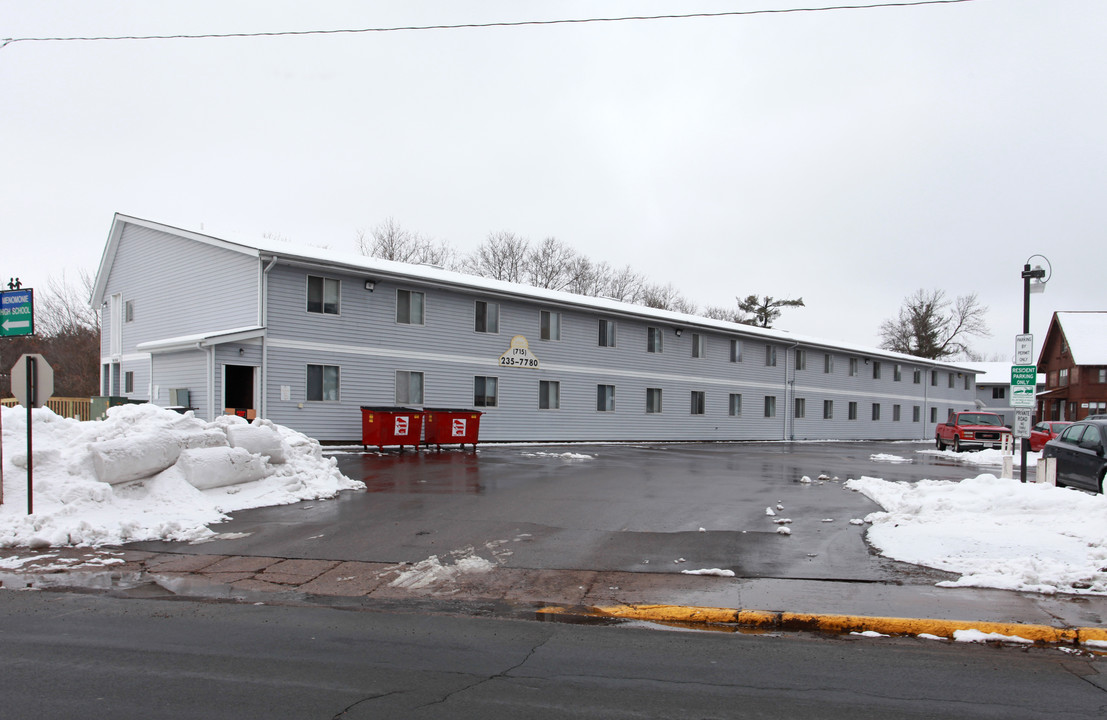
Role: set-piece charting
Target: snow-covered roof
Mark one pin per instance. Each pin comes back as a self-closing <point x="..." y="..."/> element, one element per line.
<point x="379" y="268"/>
<point x="202" y="339"/>
<point x="1086" y="333"/>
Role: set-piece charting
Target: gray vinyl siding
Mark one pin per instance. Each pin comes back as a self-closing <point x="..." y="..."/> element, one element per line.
<point x="369" y="346"/>
<point x="179" y="287"/>
<point x="186" y="369"/>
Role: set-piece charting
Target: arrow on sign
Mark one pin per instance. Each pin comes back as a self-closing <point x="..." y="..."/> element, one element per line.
<point x="8" y="324"/>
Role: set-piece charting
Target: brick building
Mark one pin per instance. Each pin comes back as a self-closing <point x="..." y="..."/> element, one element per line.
<point x="1074" y="362"/>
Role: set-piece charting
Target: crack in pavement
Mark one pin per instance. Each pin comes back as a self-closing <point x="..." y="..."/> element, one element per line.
<point x="351" y="706"/>
<point x="490" y="678"/>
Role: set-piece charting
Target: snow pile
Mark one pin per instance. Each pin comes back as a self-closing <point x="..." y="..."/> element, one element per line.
<point x="984" y="457"/>
<point x="994" y="532"/>
<point x="567" y="456"/>
<point x="146" y="473"/>
<point x="888" y="457"/>
<point x="717" y="572"/>
<point x="432" y="572"/>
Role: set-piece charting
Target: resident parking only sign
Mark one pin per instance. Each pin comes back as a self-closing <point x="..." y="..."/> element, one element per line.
<point x="17" y="315"/>
<point x="1024" y="378"/>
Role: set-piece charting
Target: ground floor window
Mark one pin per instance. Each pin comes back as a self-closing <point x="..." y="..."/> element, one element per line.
<point x="129" y="382"/>
<point x="322" y="383"/>
<point x="409" y="387"/>
<point x="549" y="395"/>
<point x="653" y="400"/>
<point x="770" y="406"/>
<point x="484" y="391"/>
<point x="876" y="411"/>
<point x="895" y="413"/>
<point x="933" y="414"/>
<point x="735" y="404"/>
<point x="699" y="402"/>
<point x="916" y="413"/>
<point x="801" y="407"/>
<point x="828" y="409"/>
<point x="605" y="398"/>
<point x="853" y="411"/>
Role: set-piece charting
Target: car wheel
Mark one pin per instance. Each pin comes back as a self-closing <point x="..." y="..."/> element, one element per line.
<point x="957" y="445"/>
<point x="939" y="443"/>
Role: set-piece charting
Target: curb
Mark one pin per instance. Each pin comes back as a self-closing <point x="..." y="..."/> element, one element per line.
<point x="841" y="624"/>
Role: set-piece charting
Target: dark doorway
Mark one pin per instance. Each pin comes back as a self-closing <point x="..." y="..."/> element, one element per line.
<point x="238" y="389"/>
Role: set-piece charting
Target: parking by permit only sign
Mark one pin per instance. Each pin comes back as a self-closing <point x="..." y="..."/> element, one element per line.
<point x="17" y="315"/>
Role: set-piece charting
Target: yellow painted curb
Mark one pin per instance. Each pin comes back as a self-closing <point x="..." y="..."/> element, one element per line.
<point x="835" y="623"/>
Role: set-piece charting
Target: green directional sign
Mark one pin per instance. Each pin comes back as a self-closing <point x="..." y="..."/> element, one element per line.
<point x="1024" y="379"/>
<point x="17" y="314"/>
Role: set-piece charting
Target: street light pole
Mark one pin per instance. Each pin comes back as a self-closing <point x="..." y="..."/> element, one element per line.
<point x="1027" y="275"/>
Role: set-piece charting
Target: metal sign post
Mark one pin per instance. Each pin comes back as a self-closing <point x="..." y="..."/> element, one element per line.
<point x="32" y="384"/>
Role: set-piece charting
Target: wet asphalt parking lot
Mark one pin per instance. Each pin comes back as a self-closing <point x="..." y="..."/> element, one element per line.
<point x="639" y="508"/>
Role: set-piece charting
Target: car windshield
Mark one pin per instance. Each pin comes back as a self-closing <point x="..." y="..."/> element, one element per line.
<point x="980" y="419"/>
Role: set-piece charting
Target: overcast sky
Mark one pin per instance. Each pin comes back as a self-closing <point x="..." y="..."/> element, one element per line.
<point x="847" y="157"/>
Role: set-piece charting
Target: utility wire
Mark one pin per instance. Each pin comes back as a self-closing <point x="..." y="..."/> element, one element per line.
<point x="463" y="26"/>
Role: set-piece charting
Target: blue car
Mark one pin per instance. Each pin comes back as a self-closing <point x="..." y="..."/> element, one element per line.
<point x="1080" y="452"/>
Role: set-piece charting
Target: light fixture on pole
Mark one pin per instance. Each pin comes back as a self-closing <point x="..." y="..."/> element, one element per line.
<point x="1033" y="281"/>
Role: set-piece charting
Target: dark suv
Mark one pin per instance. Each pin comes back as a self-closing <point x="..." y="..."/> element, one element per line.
<point x="1080" y="452"/>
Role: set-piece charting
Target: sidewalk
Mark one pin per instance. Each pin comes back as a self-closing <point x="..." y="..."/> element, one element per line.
<point x="833" y="606"/>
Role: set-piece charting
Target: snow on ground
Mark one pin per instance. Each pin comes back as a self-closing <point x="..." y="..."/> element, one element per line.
<point x="889" y="458"/>
<point x="993" y="532"/>
<point x="983" y="457"/>
<point x="146" y="473"/>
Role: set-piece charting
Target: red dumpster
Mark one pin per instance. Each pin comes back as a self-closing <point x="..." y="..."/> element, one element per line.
<point x="445" y="426"/>
<point x="382" y="426"/>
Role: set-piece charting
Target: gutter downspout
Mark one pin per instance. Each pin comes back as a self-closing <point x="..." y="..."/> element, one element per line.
<point x="263" y="317"/>
<point x="926" y="402"/>
<point x="789" y="405"/>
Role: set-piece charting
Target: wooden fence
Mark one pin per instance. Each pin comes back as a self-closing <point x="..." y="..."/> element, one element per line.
<point x="79" y="408"/>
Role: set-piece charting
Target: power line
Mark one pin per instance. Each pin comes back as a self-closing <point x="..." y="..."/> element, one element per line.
<point x="464" y="26"/>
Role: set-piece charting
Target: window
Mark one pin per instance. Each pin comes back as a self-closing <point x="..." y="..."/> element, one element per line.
<point x="897" y="373"/>
<point x="934" y="378"/>
<point x="653" y="400"/>
<point x="607" y="333"/>
<point x="853" y="411"/>
<point x="322" y="383"/>
<point x="549" y="395"/>
<point x="770" y="355"/>
<point x="999" y="392"/>
<point x="828" y="363"/>
<point x="409" y="387"/>
<point x="736" y="351"/>
<point x="1063" y="377"/>
<point x="129" y="311"/>
<point x="933" y="415"/>
<point x="895" y="413"/>
<point x="488" y="317"/>
<point x="916" y="413"/>
<point x="653" y="339"/>
<point x="409" y="307"/>
<point x="605" y="398"/>
<point x="1102" y="375"/>
<point x="549" y="323"/>
<point x="951" y="380"/>
<point x="968" y="382"/>
<point x="699" y="402"/>
<point x="916" y="376"/>
<point x="853" y="367"/>
<point x="770" y="406"/>
<point x="735" y="404"/>
<point x="828" y="409"/>
<point x="484" y="391"/>
<point x="128" y="382"/>
<point x="801" y="407"/>
<point x="697" y="345"/>
<point x="876" y="370"/>
<point x="801" y="359"/>
<point x="876" y="411"/>
<point x="322" y="295"/>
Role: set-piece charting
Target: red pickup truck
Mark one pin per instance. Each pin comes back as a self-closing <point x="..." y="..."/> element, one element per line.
<point x="971" y="430"/>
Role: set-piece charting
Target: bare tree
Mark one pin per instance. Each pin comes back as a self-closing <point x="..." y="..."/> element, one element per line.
<point x="930" y="325"/>
<point x="766" y="309"/>
<point x="552" y="264"/>
<point x="667" y="297"/>
<point x="390" y="241"/>
<point x="502" y="256"/>
<point x="729" y="314"/>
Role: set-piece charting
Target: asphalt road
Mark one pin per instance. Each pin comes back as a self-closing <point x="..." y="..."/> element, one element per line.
<point x="68" y="656"/>
<point x="604" y="507"/>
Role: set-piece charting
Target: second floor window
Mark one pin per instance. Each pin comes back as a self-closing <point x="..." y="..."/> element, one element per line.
<point x="487" y="317"/>
<point x="409" y="307"/>
<point x="697" y="345"/>
<point x="770" y="355"/>
<point x="549" y="325"/>
<point x="607" y="333"/>
<point x="322" y="295"/>
<point x="653" y="340"/>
